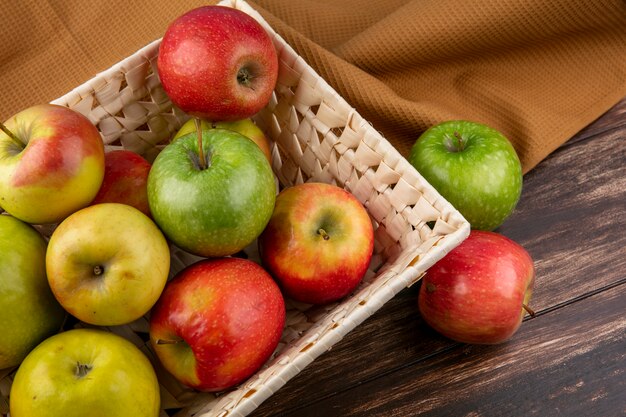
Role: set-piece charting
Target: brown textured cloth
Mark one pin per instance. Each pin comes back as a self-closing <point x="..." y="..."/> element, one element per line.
<point x="537" y="70"/>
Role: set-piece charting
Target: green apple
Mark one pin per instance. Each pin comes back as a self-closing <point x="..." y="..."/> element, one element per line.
<point x="216" y="207"/>
<point x="474" y="167"/>
<point x="245" y="126"/>
<point x="85" y="372"/>
<point x="107" y="264"/>
<point x="51" y="163"/>
<point x="28" y="311"/>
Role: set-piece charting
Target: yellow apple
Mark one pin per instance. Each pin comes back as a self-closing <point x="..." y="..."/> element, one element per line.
<point x="107" y="264"/>
<point x="85" y="372"/>
<point x="245" y="126"/>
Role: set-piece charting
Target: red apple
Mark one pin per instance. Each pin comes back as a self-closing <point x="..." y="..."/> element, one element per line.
<point x="318" y="243"/>
<point x="217" y="322"/>
<point x="51" y="163"/>
<point x="217" y="63"/>
<point x="125" y="180"/>
<point x="479" y="292"/>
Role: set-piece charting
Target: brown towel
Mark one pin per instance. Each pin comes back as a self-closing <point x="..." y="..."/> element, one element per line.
<point x="537" y="70"/>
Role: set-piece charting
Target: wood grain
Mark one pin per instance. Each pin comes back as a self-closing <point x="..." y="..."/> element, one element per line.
<point x="571" y="220"/>
<point x="549" y="369"/>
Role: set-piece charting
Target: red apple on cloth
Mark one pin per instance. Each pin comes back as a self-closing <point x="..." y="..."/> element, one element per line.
<point x="217" y="322"/>
<point x="51" y="163"/>
<point x="107" y="264"/>
<point x="479" y="292"/>
<point x="318" y="243"/>
<point x="217" y="63"/>
<point x="125" y="180"/>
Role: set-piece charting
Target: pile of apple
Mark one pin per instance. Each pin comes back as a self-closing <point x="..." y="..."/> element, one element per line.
<point x="114" y="217"/>
<point x="211" y="192"/>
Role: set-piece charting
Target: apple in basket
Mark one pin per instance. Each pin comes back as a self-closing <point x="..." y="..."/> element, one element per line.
<point x="107" y="264"/>
<point x="217" y="322"/>
<point x="28" y="311"/>
<point x="85" y="372"/>
<point x="246" y="127"/>
<point x="217" y="63"/>
<point x="479" y="292"/>
<point x="318" y="243"/>
<point x="215" y="205"/>
<point x="125" y="180"/>
<point x="474" y="167"/>
<point x="51" y="163"/>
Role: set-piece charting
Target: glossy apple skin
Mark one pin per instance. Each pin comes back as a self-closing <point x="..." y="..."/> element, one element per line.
<point x="203" y="56"/>
<point x="125" y="180"/>
<point x="227" y="316"/>
<point x="218" y="210"/>
<point x="28" y="311"/>
<point x="59" y="170"/>
<point x="308" y="267"/>
<point x="120" y="381"/>
<point x="246" y="127"/>
<point x="483" y="180"/>
<point x="475" y="293"/>
<point x="107" y="264"/>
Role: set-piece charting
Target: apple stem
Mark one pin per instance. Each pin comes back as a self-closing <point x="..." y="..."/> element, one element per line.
<point x="202" y="159"/>
<point x="82" y="369"/>
<point x="98" y="270"/>
<point x="167" y="342"/>
<point x="455" y="145"/>
<point x="12" y="136"/>
<point x="323" y="233"/>
<point x="529" y="310"/>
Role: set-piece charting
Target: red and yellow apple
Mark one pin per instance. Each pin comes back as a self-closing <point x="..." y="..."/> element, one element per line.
<point x="246" y="127"/>
<point x="85" y="372"/>
<point x="217" y="63"/>
<point x="318" y="243"/>
<point x="125" y="180"/>
<point x="107" y="264"/>
<point x="217" y="322"/>
<point x="51" y="163"/>
<point x="479" y="292"/>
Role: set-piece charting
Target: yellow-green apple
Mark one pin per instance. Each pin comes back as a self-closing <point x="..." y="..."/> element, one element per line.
<point x="125" y="180"/>
<point x="479" y="292"/>
<point x="474" y="167"/>
<point x="85" y="372"/>
<point x="107" y="264"/>
<point x="51" y="163"/>
<point x="217" y="63"/>
<point x="217" y="322"/>
<point x="246" y="127"/>
<point x="28" y="311"/>
<point x="214" y="207"/>
<point x="318" y="243"/>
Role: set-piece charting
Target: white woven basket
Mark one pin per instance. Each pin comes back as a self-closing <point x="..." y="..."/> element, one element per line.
<point x="316" y="136"/>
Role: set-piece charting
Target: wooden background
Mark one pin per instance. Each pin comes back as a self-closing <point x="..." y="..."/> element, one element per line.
<point x="570" y="360"/>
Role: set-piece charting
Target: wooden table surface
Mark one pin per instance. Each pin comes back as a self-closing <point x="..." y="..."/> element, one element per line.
<point x="569" y="360"/>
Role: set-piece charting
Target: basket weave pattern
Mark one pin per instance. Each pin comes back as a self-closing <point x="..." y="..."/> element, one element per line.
<point x="317" y="136"/>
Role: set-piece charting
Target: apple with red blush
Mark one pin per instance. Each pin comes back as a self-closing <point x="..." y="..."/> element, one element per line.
<point x="318" y="243"/>
<point x="217" y="322"/>
<point x="480" y="291"/>
<point x="51" y="163"/>
<point x="125" y="180"/>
